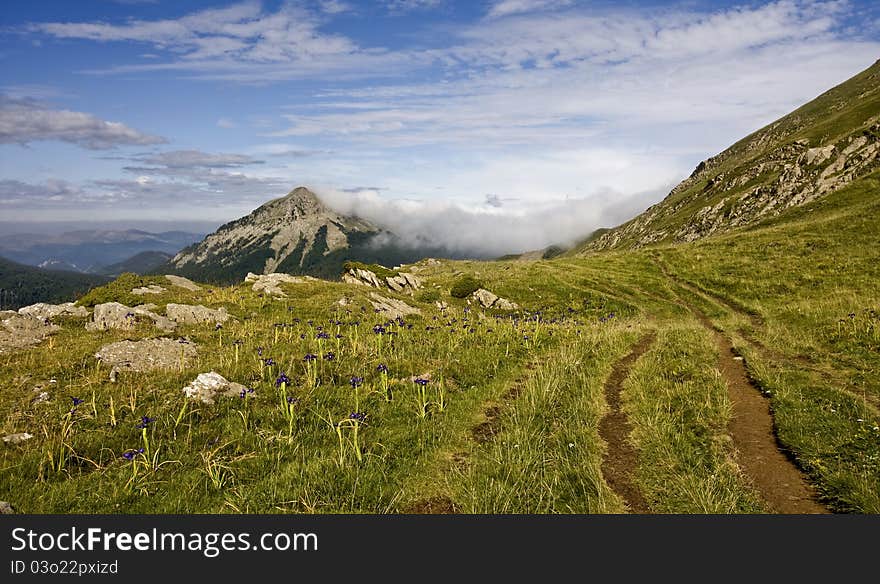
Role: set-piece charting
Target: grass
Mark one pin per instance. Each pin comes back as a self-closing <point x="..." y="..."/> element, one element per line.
<point x="797" y="295"/>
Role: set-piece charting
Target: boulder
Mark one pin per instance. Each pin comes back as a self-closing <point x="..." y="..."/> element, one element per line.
<point x="490" y="300"/>
<point x="6" y="508"/>
<point x="411" y="280"/>
<point x="391" y="308"/>
<point x="147" y="355"/>
<point x="151" y="289"/>
<point x="48" y="311"/>
<point x="20" y="331"/>
<point x="207" y="387"/>
<point x="113" y="315"/>
<point x="188" y="314"/>
<point x="485" y="298"/>
<point x="182" y="282"/>
<point x="17" y="438"/>
<point x="396" y="283"/>
<point x="271" y="283"/>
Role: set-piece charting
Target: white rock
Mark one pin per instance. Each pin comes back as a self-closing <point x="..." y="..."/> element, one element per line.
<point x="182" y="282"/>
<point x="209" y="386"/>
<point x="47" y="311"/>
<point x="17" y="438"/>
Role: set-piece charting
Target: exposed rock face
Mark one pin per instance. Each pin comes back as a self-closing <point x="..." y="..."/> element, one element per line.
<point x="113" y="315"/>
<point x="20" y="331"/>
<point x="787" y="164"/>
<point x="17" y="438"/>
<point x="208" y="387"/>
<point x="403" y="282"/>
<point x="49" y="311"/>
<point x="489" y="300"/>
<point x="182" y="282"/>
<point x="151" y="289"/>
<point x="271" y="283"/>
<point x="187" y="314"/>
<point x="391" y="308"/>
<point x="281" y="235"/>
<point x="147" y="355"/>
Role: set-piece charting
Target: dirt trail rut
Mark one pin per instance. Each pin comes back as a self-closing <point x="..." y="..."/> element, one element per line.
<point x="780" y="482"/>
<point x="621" y="459"/>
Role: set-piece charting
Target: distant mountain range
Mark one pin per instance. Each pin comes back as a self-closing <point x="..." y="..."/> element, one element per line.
<point x="22" y="285"/>
<point x="295" y="234"/>
<point x="90" y="251"/>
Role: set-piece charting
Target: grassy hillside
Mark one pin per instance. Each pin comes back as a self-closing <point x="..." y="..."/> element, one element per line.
<point x="818" y="148"/>
<point x="514" y="415"/>
<point x="22" y="285"/>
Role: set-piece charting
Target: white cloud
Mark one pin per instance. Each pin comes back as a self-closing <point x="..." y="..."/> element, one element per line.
<point x="25" y="120"/>
<point x="503" y="8"/>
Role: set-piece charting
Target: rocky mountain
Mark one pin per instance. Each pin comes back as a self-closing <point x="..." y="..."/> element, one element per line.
<point x="88" y="251"/>
<point x="294" y="234"/>
<point x="22" y="285"/>
<point x="823" y="145"/>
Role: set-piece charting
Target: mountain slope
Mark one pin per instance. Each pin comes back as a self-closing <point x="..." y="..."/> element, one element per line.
<point x="818" y="148"/>
<point x="296" y="234"/>
<point x="141" y="263"/>
<point x="21" y="285"/>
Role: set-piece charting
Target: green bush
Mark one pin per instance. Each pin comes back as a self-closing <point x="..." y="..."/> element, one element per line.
<point x="428" y="295"/>
<point x="464" y="287"/>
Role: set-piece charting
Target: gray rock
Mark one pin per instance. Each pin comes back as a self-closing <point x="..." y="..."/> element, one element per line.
<point x="490" y="300"/>
<point x="391" y="308"/>
<point x="485" y="298"/>
<point x="20" y="331"/>
<point x="394" y="282"/>
<point x="271" y="283"/>
<point x="182" y="282"/>
<point x="113" y="315"/>
<point x="147" y="355"/>
<point x="188" y="314"/>
<point x="17" y="438"/>
<point x="207" y="387"/>
<point x="6" y="508"/>
<point x="151" y="289"/>
<point x="411" y="280"/>
<point x="48" y="311"/>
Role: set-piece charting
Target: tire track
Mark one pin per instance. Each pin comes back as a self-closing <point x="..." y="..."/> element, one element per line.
<point x="777" y="478"/>
<point x="621" y="459"/>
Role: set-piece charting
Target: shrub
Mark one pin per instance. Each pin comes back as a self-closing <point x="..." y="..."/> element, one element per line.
<point x="464" y="286"/>
<point x="428" y="295"/>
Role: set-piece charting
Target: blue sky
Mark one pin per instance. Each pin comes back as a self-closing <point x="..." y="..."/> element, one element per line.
<point x="506" y="124"/>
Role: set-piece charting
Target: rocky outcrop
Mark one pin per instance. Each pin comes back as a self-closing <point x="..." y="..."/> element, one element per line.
<point x="188" y="314"/>
<point x="147" y="355"/>
<point x="390" y="307"/>
<point x="271" y="283"/>
<point x="402" y="283"/>
<point x="151" y="289"/>
<point x="50" y="311"/>
<point x="113" y="315"/>
<point x="490" y="300"/>
<point x="208" y="387"/>
<point x="182" y="282"/>
<point x="6" y="508"/>
<point x="19" y="331"/>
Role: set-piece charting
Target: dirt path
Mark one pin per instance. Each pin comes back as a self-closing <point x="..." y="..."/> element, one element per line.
<point x="621" y="459"/>
<point x="780" y="482"/>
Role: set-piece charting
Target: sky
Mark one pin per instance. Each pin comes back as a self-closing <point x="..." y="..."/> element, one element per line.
<point x="494" y="126"/>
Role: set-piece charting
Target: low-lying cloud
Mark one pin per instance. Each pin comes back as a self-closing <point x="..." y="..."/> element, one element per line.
<point x="489" y="231"/>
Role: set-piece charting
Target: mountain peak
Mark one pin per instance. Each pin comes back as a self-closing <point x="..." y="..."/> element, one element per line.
<point x="293" y="233"/>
